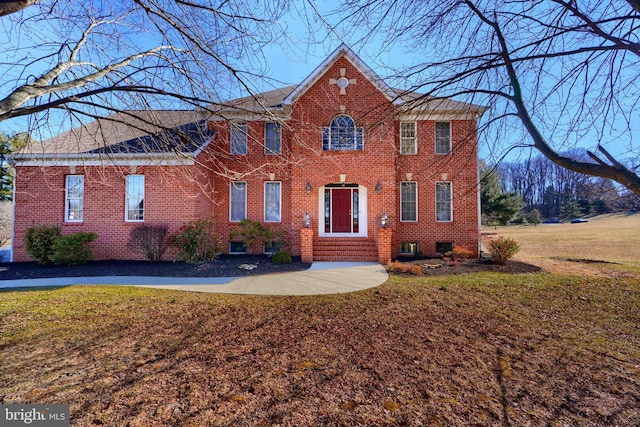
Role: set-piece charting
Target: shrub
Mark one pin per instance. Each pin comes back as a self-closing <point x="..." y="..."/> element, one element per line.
<point x="150" y="240"/>
<point x="196" y="241"/>
<point x="394" y="267"/>
<point x="73" y="249"/>
<point x="249" y="232"/>
<point x="502" y="249"/>
<point x="460" y="252"/>
<point x="534" y="217"/>
<point x="39" y="241"/>
<point x="416" y="270"/>
<point x="403" y="268"/>
<point x="281" y="257"/>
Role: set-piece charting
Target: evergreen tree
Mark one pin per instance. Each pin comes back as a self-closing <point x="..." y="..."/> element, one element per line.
<point x="534" y="217"/>
<point x="571" y="209"/>
<point x="498" y="207"/>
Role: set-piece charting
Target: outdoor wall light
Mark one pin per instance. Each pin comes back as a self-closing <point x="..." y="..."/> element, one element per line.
<point x="384" y="219"/>
<point x="343" y="177"/>
<point x="307" y="220"/>
<point x="378" y="187"/>
<point x="308" y="187"/>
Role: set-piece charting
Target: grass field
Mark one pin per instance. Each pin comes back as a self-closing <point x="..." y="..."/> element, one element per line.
<point x="477" y="349"/>
<point x="614" y="239"/>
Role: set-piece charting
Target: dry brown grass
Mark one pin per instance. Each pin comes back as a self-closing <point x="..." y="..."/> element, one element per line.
<point x="612" y="239"/>
<point x="476" y="349"/>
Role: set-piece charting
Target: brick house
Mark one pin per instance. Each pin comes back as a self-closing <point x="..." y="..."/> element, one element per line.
<point x="376" y="172"/>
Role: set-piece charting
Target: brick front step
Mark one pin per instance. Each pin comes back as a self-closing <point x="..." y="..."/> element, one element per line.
<point x="344" y="249"/>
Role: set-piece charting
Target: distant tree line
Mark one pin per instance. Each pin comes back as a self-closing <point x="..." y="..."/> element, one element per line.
<point x="558" y="192"/>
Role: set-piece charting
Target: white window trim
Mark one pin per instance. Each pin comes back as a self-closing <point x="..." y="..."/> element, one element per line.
<point x="362" y="213"/>
<point x="450" y="200"/>
<point x="435" y="138"/>
<point x="415" y="139"/>
<point x="246" y="191"/>
<point x="237" y="126"/>
<point x="66" y="199"/>
<point x="266" y="150"/>
<point x="126" y="199"/>
<point x="264" y="197"/>
<point x="417" y="216"/>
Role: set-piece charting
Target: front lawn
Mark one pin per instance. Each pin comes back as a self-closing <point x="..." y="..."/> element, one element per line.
<point x="476" y="349"/>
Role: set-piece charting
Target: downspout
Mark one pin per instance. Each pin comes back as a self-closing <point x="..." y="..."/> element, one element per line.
<point x="478" y="192"/>
<point x="13" y="211"/>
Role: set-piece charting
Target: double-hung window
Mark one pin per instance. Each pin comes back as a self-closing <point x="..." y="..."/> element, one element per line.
<point x="444" y="211"/>
<point x="272" y="201"/>
<point x="74" y="195"/>
<point x="443" y="137"/>
<point x="272" y="138"/>
<point x="408" y="138"/>
<point x="409" y="201"/>
<point x="238" y="201"/>
<point x="239" y="138"/>
<point x="135" y="198"/>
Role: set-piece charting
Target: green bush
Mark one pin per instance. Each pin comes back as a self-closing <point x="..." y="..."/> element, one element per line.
<point x="73" y="249"/>
<point x="39" y="242"/>
<point x="281" y="257"/>
<point x="534" y="217"/>
<point x="150" y="240"/>
<point x="502" y="249"/>
<point x="196" y="241"/>
<point x="249" y="232"/>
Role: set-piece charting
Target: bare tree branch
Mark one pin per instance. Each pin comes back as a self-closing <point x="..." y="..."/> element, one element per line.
<point x="567" y="70"/>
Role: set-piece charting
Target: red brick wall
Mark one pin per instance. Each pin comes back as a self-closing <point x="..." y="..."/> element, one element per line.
<point x="371" y="110"/>
<point x="172" y="197"/>
<point x="176" y="195"/>
<point x="460" y="168"/>
<point x="378" y="163"/>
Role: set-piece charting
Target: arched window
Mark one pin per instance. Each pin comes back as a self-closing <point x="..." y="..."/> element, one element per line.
<point x="342" y="134"/>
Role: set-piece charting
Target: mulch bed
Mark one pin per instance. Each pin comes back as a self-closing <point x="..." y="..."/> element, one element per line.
<point x="229" y="266"/>
<point x="225" y="266"/>
<point x="444" y="267"/>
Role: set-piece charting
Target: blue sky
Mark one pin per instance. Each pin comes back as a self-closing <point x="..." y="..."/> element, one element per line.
<point x="290" y="60"/>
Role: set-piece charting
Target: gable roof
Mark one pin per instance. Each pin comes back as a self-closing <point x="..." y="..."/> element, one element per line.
<point x="409" y="104"/>
<point x="159" y="134"/>
<point x="342" y="51"/>
<point x="266" y="103"/>
<point x="418" y="105"/>
<point x="126" y="134"/>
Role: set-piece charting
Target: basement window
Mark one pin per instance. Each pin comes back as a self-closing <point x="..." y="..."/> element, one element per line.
<point x="444" y="247"/>
<point x="271" y="248"/>
<point x="408" y="248"/>
<point x="237" y="248"/>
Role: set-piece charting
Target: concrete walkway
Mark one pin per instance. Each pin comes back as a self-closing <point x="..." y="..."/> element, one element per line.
<point x="320" y="278"/>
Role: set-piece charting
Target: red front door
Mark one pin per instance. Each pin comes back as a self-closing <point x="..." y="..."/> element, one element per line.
<point x="341" y="210"/>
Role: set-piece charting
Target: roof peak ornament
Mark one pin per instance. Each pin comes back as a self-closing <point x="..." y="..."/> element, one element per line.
<point x="343" y="82"/>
